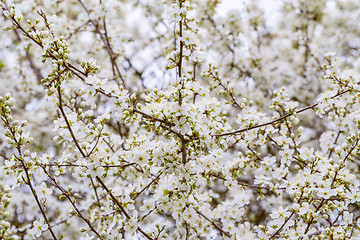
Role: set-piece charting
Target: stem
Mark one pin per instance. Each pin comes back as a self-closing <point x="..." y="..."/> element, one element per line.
<point x="72" y="202"/>
<point x="28" y="179"/>
<point x="121" y="207"/>
<point x="279" y="119"/>
<point x="265" y="124"/>
<point x="147" y="186"/>
<point x="283" y="225"/>
<point x="60" y="106"/>
<point x="212" y="222"/>
<point x="180" y="56"/>
<point x="105" y="40"/>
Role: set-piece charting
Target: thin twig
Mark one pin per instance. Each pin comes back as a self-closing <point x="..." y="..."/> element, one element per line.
<point x="107" y="45"/>
<point x="28" y="178"/>
<point x="279" y="119"/>
<point x="30" y="60"/>
<point x="95" y="190"/>
<point x="60" y="106"/>
<point x="283" y="225"/>
<point x="72" y="202"/>
<point x="213" y="223"/>
<point x="265" y="124"/>
<point x="121" y="207"/>
<point x="147" y="186"/>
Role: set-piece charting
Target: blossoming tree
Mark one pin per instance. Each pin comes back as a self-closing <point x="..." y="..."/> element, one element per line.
<point x="162" y="119"/>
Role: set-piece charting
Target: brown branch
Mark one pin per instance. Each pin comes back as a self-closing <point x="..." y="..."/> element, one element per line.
<point x="355" y="218"/>
<point x="283" y="225"/>
<point x="279" y="119"/>
<point x="336" y="139"/>
<point x="78" y="165"/>
<point x="28" y="182"/>
<point x="72" y="202"/>
<point x="145" y="115"/>
<point x="60" y="106"/>
<point x="267" y="123"/>
<point x="121" y="207"/>
<point x="183" y="141"/>
<point x="245" y="184"/>
<point x="183" y="148"/>
<point x="227" y="90"/>
<point x="95" y="190"/>
<point x="96" y="143"/>
<point x="28" y="179"/>
<point x="30" y="60"/>
<point x="147" y="186"/>
<point x="107" y="45"/>
<point x="213" y="223"/>
<point x="179" y="65"/>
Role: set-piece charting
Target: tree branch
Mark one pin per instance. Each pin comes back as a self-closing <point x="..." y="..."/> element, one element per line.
<point x="121" y="207"/>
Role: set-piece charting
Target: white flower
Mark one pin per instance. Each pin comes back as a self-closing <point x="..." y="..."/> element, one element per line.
<point x="131" y="225"/>
<point x="305" y="208"/>
<point x="39" y="227"/>
<point x="147" y="206"/>
<point x="43" y="191"/>
<point x="86" y="237"/>
<point x="6" y="13"/>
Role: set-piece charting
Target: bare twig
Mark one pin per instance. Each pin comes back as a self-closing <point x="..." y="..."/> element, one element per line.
<point x="95" y="190"/>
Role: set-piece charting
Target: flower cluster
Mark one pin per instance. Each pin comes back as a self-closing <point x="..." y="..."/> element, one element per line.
<point x="170" y="120"/>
